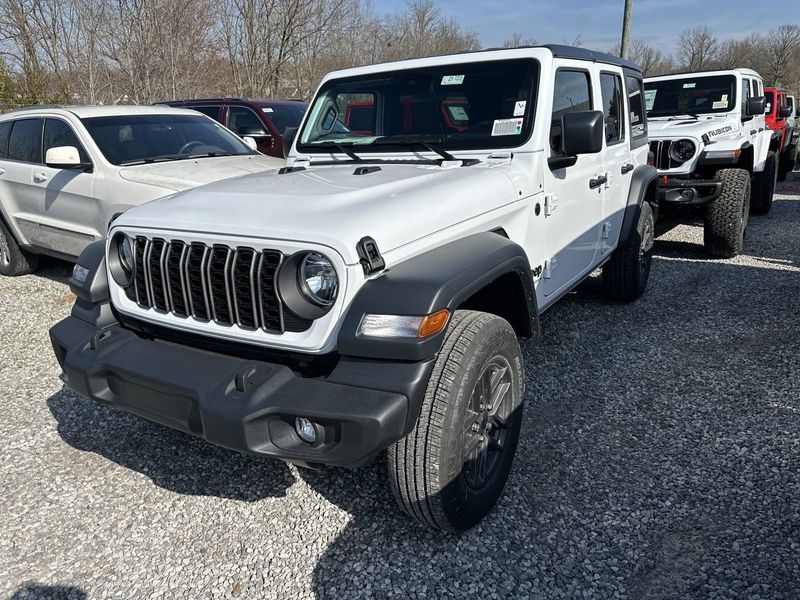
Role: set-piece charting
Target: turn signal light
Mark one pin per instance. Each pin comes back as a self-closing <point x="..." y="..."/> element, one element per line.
<point x="433" y="323"/>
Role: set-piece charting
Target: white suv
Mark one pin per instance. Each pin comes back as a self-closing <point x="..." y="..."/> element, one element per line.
<point x="66" y="173"/>
<point x="369" y="295"/>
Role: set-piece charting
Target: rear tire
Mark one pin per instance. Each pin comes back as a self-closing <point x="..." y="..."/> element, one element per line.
<point x="763" y="188"/>
<point x="450" y="470"/>
<point x="625" y="275"/>
<point x="13" y="259"/>
<point x="726" y="217"/>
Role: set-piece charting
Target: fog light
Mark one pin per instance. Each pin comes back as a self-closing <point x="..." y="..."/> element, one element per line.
<point x="687" y="194"/>
<point x="306" y="430"/>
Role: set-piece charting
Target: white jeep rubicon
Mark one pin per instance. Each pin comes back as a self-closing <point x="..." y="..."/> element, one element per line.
<point x="713" y="150"/>
<point x="369" y="295"/>
<point x="67" y="172"/>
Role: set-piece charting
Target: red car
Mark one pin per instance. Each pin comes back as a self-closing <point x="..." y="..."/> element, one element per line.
<point x="778" y="111"/>
<point x="263" y="120"/>
<point x="454" y="114"/>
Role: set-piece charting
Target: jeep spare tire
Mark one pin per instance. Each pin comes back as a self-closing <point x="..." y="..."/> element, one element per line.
<point x="450" y="470"/>
<point x="726" y="217"/>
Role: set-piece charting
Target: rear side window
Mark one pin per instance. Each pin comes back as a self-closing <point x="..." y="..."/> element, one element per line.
<point x="5" y="130"/>
<point x="59" y="133"/>
<point x="572" y="93"/>
<point x="636" y="108"/>
<point x="25" y="141"/>
<point x="611" y="89"/>
<point x="209" y="111"/>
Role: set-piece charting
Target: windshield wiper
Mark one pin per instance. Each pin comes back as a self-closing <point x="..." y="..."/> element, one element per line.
<point x="171" y="157"/>
<point x="430" y="144"/>
<point x="343" y="147"/>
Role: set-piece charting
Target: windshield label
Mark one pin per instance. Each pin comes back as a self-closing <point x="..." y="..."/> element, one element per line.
<point x="452" y="80"/>
<point x="519" y="108"/>
<point x="689" y="85"/>
<point x="649" y="99"/>
<point x="507" y="127"/>
<point x="720" y="131"/>
<point x="267" y="110"/>
<point x="458" y="113"/>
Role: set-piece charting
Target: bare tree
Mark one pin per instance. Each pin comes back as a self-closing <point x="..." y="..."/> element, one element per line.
<point x="781" y="48"/>
<point x="517" y="39"/>
<point x="696" y="48"/>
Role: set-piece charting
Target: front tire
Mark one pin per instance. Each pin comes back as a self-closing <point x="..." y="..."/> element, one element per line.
<point x="764" y="184"/>
<point x="726" y="217"/>
<point x="626" y="273"/>
<point x="450" y="470"/>
<point x="13" y="259"/>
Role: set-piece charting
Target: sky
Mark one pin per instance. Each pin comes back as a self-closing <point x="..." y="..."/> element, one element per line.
<point x="599" y="22"/>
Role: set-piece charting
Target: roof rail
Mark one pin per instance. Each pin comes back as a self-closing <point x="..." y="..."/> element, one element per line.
<point x="214" y="99"/>
<point x="35" y="107"/>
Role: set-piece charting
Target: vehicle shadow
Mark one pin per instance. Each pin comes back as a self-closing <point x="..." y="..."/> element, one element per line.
<point x="54" y="269"/>
<point x="33" y="590"/>
<point x="171" y="459"/>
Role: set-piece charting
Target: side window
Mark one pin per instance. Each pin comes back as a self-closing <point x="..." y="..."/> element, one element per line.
<point x="572" y="93"/>
<point x="636" y="108"/>
<point x="745" y="94"/>
<point x="241" y="119"/>
<point x="59" y="133"/>
<point x="5" y="130"/>
<point x="209" y="111"/>
<point x="770" y="103"/>
<point x="611" y="88"/>
<point x="25" y="141"/>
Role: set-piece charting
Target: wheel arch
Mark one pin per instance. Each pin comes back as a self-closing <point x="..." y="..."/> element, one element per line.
<point x="643" y="189"/>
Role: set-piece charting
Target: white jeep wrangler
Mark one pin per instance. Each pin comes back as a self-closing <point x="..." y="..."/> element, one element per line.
<point x="713" y="150"/>
<point x="369" y="296"/>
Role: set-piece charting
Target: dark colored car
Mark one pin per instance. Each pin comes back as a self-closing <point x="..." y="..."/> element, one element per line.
<point x="263" y="120"/>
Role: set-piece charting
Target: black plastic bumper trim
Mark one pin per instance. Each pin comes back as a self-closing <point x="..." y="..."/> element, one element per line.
<point x="703" y="191"/>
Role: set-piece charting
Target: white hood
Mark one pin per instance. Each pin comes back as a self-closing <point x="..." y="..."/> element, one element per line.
<point x="332" y="206"/>
<point x="185" y="174"/>
<point x="687" y="127"/>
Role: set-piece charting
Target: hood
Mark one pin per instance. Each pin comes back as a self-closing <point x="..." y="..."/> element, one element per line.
<point x="185" y="174"/>
<point x="694" y="128"/>
<point x="332" y="206"/>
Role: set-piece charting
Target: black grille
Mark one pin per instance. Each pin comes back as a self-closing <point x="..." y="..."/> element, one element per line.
<point x="231" y="286"/>
<point x="660" y="150"/>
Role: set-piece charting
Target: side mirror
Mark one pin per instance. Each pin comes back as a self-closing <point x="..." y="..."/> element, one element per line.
<point x="251" y="131"/>
<point x="64" y="157"/>
<point x="250" y="142"/>
<point x="784" y="112"/>
<point x="581" y="133"/>
<point x="756" y="106"/>
<point x="288" y="139"/>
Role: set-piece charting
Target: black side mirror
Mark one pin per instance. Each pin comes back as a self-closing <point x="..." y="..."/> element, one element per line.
<point x="288" y="139"/>
<point x="253" y="131"/>
<point x="784" y="112"/>
<point x="581" y="133"/>
<point x="756" y="106"/>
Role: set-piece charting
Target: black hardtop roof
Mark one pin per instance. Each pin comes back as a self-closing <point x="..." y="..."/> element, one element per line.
<point x="577" y="53"/>
<point x="230" y="100"/>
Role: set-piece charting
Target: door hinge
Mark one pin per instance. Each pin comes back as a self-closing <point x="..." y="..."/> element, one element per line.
<point x="606" y="231"/>
<point x="550" y="204"/>
<point x="549" y="266"/>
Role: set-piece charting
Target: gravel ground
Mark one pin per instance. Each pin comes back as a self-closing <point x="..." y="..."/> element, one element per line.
<point x="659" y="459"/>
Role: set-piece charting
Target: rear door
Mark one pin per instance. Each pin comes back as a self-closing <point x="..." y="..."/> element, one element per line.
<point x="213" y="111"/>
<point x="22" y="203"/>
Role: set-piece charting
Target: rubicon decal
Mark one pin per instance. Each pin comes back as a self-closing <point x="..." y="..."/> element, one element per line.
<point x="720" y="131"/>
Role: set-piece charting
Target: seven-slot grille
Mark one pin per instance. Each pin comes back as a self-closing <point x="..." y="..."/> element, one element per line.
<point x="230" y="286"/>
<point x="660" y="150"/>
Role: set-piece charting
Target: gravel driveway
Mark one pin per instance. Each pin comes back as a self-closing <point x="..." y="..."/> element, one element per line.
<point x="660" y="458"/>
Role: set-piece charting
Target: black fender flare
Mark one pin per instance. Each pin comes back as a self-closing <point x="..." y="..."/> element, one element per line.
<point x="443" y="277"/>
<point x="642" y="178"/>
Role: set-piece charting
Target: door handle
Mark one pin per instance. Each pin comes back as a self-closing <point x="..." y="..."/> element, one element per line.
<point x="597" y="182"/>
<point x="626" y="168"/>
<point x="39" y="177"/>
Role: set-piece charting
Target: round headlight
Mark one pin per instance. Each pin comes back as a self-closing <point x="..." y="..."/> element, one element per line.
<point x="318" y="279"/>
<point x="682" y="150"/>
<point x="120" y="259"/>
<point x="125" y="249"/>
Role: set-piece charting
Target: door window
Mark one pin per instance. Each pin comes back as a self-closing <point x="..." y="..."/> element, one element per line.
<point x="5" y="130"/>
<point x="59" y="133"/>
<point x="25" y="141"/>
<point x="636" y="108"/>
<point x="209" y="111"/>
<point x="745" y="94"/>
<point x="611" y="89"/>
<point x="572" y="93"/>
<point x="241" y="119"/>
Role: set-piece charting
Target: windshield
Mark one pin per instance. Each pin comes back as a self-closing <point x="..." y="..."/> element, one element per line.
<point x="690" y="95"/>
<point x="137" y="139"/>
<point x="457" y="106"/>
<point x="283" y="116"/>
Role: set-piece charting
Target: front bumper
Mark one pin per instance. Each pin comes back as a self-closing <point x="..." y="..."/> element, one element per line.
<point x="245" y="405"/>
<point x="678" y="191"/>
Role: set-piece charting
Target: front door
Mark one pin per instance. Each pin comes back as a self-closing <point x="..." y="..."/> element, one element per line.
<point x="244" y="122"/>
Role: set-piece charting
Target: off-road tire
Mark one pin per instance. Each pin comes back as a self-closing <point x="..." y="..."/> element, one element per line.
<point x="764" y="186"/>
<point x="13" y="259"/>
<point x="726" y="217"/>
<point x="626" y="273"/>
<point x="431" y="478"/>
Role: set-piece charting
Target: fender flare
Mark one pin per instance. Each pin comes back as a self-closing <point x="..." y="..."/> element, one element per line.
<point x="643" y="176"/>
<point x="443" y="277"/>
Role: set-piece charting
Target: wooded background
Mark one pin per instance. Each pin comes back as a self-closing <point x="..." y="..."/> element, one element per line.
<point x="142" y="51"/>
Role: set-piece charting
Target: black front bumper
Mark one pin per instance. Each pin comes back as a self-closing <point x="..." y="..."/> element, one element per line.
<point x="245" y="405"/>
<point x="678" y="191"/>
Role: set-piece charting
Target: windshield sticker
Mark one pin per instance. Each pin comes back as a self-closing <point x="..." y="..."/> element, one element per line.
<point x="689" y="85"/>
<point x="267" y="110"/>
<point x="452" y="80"/>
<point x="458" y="113"/>
<point x="649" y="99"/>
<point x="519" y="108"/>
<point x="507" y="127"/>
<point x="720" y="131"/>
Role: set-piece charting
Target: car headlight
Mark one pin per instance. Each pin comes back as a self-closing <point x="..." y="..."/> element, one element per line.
<point x="120" y="259"/>
<point x="318" y="279"/>
<point x="682" y="150"/>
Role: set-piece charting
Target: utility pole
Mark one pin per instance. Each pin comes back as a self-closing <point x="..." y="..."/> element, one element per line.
<point x="626" y="28"/>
